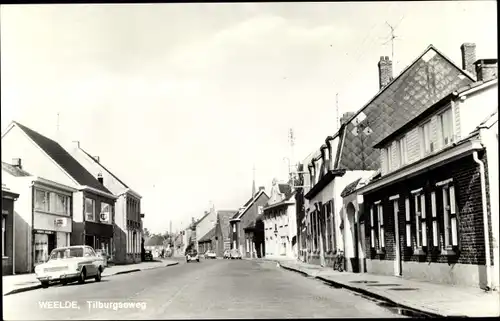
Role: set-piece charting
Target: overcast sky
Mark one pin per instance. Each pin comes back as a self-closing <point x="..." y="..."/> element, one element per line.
<point x="180" y="100"/>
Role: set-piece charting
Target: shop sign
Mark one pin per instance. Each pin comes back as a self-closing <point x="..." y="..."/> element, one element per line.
<point x="60" y="222"/>
<point x="6" y="212"/>
<point x="43" y="232"/>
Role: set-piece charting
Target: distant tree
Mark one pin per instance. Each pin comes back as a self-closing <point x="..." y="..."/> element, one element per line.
<point x="146" y="232"/>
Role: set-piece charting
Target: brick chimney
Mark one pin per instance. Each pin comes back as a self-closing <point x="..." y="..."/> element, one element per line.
<point x="100" y="179"/>
<point x="486" y="69"/>
<point x="468" y="57"/>
<point x="384" y="71"/>
<point x="262" y="188"/>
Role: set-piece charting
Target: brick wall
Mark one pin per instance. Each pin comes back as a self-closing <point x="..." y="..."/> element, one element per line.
<point x="465" y="174"/>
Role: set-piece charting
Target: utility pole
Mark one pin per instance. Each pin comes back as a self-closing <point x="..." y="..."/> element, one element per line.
<point x="337" y="111"/>
<point x="291" y="172"/>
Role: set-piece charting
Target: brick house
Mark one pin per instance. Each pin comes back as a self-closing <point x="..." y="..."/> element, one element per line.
<point x="222" y="232"/>
<point x="245" y="216"/>
<point x="428" y="215"/>
<point x="128" y="219"/>
<point x="8" y="228"/>
<point x="92" y="203"/>
<point x="349" y="153"/>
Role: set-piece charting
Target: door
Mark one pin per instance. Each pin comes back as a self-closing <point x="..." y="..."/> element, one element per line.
<point x="398" y="262"/>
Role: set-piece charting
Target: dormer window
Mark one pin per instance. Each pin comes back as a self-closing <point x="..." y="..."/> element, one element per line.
<point x="446" y="122"/>
<point x="425" y="133"/>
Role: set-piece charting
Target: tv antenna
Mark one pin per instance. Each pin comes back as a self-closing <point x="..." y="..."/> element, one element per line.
<point x="393" y="37"/>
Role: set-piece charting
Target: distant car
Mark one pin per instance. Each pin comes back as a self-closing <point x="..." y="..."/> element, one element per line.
<point x="210" y="255"/>
<point x="192" y="255"/>
<point x="235" y="254"/>
<point x="69" y="264"/>
<point x="148" y="255"/>
<point x="227" y="254"/>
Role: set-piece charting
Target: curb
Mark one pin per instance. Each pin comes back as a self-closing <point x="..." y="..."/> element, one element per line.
<point x="371" y="294"/>
<point x="38" y="286"/>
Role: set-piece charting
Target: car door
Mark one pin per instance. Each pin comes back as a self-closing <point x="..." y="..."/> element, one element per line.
<point x="90" y="258"/>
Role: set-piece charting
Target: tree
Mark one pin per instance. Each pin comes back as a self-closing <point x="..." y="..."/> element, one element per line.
<point x="146" y="232"/>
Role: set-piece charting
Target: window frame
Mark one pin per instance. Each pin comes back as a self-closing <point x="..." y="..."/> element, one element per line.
<point x="426" y="148"/>
<point x="4" y="234"/>
<point x="93" y="209"/>
<point x="451" y="131"/>
<point x="389" y="157"/>
<point x="419" y="215"/>
<point x="403" y="152"/>
<point x="380" y="226"/>
<point x="450" y="217"/>
<point x="46" y="200"/>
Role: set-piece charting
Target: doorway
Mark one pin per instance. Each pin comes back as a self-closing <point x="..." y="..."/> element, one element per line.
<point x="352" y="240"/>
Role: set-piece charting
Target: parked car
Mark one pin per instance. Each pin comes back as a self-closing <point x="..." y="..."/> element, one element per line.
<point x="235" y="254"/>
<point x="192" y="255"/>
<point x="70" y="264"/>
<point x="210" y="255"/>
<point x="148" y="255"/>
<point x="227" y="254"/>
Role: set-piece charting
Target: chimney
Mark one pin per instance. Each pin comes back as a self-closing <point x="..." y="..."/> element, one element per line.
<point x="486" y="69"/>
<point x="76" y="144"/>
<point x="262" y="188"/>
<point x="345" y="117"/>
<point x="97" y="159"/>
<point x="468" y="57"/>
<point x="384" y="71"/>
<point x="16" y="162"/>
<point x="99" y="178"/>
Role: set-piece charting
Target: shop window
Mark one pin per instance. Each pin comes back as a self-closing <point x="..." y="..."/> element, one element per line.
<point x="89" y="209"/>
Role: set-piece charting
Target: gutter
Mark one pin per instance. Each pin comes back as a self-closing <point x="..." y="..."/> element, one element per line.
<point x="485" y="219"/>
<point x="94" y="190"/>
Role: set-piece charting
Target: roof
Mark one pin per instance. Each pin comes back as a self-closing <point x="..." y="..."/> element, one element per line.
<point x="423" y="83"/>
<point x="249" y="203"/>
<point x="101" y="165"/>
<point x="351" y="187"/>
<point x="286" y="189"/>
<point x="14" y="170"/>
<point x="209" y="236"/>
<point x="430" y="110"/>
<point x="70" y="165"/>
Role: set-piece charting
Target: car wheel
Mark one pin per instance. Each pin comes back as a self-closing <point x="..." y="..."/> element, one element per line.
<point x="98" y="275"/>
<point x="197" y="260"/>
<point x="45" y="284"/>
<point x="82" y="277"/>
<point x="63" y="283"/>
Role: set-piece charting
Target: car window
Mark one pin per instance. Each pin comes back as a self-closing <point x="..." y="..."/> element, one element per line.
<point x="92" y="252"/>
<point x="87" y="252"/>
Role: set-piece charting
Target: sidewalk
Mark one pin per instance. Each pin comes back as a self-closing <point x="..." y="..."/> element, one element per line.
<point x="434" y="299"/>
<point x="26" y="282"/>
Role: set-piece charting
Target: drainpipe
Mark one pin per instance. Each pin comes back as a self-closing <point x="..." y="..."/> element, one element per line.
<point x="485" y="218"/>
<point x="13" y="241"/>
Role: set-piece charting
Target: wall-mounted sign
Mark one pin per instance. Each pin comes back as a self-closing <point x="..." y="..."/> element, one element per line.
<point x="60" y="222"/>
<point x="43" y="232"/>
<point x="6" y="212"/>
<point x="104" y="217"/>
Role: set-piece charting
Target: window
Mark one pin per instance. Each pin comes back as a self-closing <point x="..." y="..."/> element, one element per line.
<point x="389" y="157"/>
<point x="41" y="200"/>
<point x="402" y="151"/>
<point x="3" y="236"/>
<point x="59" y="204"/>
<point x="428" y="146"/>
<point x="89" y="209"/>
<point x="105" y="215"/>
<point x="446" y="122"/>
<point x="420" y="223"/>
<point x="381" y="238"/>
<point x="234" y="228"/>
<point x="450" y="217"/>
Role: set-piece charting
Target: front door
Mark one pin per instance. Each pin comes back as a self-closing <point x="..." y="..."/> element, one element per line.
<point x="398" y="262"/>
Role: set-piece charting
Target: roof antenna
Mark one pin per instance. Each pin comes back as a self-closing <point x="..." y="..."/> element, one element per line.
<point x="392" y="38"/>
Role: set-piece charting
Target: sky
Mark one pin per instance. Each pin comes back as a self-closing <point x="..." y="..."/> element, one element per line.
<point x="181" y="101"/>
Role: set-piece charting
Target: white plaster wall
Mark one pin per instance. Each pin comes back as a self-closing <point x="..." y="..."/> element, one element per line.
<point x="208" y="223"/>
<point x="16" y="144"/>
<point x="78" y="208"/>
<point x="476" y="108"/>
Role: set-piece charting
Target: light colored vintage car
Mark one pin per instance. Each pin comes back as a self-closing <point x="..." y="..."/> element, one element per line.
<point x="69" y="264"/>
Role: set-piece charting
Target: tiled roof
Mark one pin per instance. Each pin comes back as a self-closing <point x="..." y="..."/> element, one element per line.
<point x="224" y="217"/>
<point x="101" y="165"/>
<point x="351" y="187"/>
<point x="426" y="81"/>
<point x="64" y="159"/>
<point x="14" y="170"/>
<point x="208" y="237"/>
<point x="248" y="204"/>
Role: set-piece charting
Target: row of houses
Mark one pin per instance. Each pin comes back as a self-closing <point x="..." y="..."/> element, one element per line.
<point x="55" y="196"/>
<point x="408" y="185"/>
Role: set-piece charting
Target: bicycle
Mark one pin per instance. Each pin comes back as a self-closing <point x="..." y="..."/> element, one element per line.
<point x="339" y="262"/>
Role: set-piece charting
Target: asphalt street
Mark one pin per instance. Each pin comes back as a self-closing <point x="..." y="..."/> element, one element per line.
<point x="209" y="289"/>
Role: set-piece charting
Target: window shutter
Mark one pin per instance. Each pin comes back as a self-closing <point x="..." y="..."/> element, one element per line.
<point x="454" y="227"/>
<point x="380" y="212"/>
<point x="435" y="231"/>
<point x="408" y="222"/>
<point x="372" y="231"/>
<point x="424" y="223"/>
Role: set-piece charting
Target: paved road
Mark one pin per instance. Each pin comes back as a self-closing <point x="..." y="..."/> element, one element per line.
<point x="209" y="289"/>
